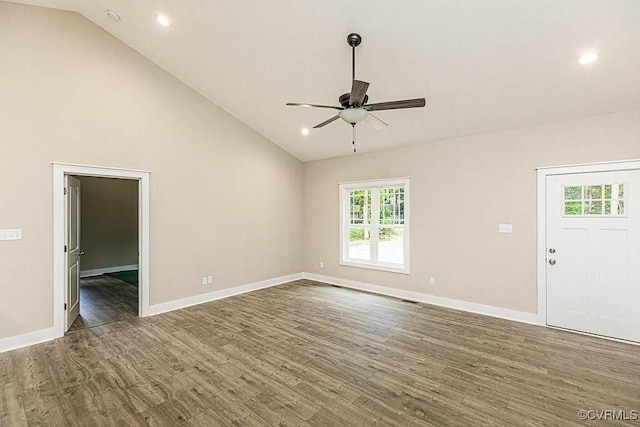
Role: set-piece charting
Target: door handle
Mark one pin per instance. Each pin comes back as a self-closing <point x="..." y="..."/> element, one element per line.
<point x="81" y="253"/>
<point x="552" y="261"/>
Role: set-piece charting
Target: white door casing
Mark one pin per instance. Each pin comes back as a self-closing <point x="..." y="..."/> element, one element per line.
<point x="72" y="244"/>
<point x="60" y="171"/>
<point x="592" y="261"/>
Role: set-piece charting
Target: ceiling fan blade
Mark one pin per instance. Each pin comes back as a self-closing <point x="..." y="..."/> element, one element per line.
<point x="358" y="91"/>
<point x="395" y="105"/>
<point x="326" y="122"/>
<point x="375" y="122"/>
<point x="296" y="104"/>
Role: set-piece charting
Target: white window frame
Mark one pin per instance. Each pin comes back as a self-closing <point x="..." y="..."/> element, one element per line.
<point x="374" y="264"/>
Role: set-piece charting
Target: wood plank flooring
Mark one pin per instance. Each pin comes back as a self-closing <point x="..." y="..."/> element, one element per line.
<point x="309" y="354"/>
<point x="104" y="299"/>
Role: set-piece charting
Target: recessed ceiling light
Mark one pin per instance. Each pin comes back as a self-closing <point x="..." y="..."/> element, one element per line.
<point x="588" y="58"/>
<point x="163" y="20"/>
<point x="304" y="131"/>
<point x="113" y="15"/>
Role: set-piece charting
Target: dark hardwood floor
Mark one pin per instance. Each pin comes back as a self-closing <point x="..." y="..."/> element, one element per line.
<point x="104" y="299"/>
<point x="311" y="354"/>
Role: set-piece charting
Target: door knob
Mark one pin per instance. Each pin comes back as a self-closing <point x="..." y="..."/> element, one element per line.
<point x="552" y="251"/>
<point x="552" y="261"/>
<point x="81" y="253"/>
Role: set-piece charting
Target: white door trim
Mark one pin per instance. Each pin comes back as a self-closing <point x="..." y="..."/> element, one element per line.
<point x="59" y="171"/>
<point x="542" y="173"/>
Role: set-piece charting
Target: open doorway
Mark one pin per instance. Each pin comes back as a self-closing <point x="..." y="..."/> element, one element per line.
<point x="113" y="283"/>
<point x="108" y="250"/>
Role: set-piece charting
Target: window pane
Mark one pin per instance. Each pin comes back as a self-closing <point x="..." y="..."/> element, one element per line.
<point x="593" y="208"/>
<point x="573" y="193"/>
<point x="607" y="207"/>
<point x="573" y="208"/>
<point x="620" y="207"/>
<point x="593" y="192"/>
<point x="621" y="191"/>
<point x="392" y="206"/>
<point x="391" y="245"/>
<point x="360" y="206"/>
<point x="360" y="243"/>
<point x="607" y="191"/>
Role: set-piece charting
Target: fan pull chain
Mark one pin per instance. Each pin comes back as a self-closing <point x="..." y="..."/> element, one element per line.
<point x="353" y="125"/>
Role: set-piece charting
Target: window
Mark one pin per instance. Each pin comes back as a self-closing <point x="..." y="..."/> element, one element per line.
<point x="374" y="224"/>
<point x="594" y="200"/>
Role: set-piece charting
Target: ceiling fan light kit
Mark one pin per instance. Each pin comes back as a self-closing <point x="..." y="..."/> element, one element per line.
<point x="354" y="106"/>
<point x="353" y="115"/>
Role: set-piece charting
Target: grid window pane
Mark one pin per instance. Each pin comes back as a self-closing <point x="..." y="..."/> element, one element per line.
<point x="593" y="192"/>
<point x="573" y="193"/>
<point x="593" y="208"/>
<point x="360" y="207"/>
<point x="573" y="208"/>
<point x="391" y="206"/>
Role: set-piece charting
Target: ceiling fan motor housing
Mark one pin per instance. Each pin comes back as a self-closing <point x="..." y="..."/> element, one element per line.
<point x="344" y="100"/>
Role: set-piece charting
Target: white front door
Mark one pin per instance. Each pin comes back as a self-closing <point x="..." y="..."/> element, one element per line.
<point x="72" y="226"/>
<point x="593" y="253"/>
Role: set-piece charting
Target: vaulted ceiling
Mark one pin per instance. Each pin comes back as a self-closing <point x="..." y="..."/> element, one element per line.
<point x="482" y="65"/>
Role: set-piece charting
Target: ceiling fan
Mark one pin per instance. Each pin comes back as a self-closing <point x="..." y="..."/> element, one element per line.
<point x="353" y="106"/>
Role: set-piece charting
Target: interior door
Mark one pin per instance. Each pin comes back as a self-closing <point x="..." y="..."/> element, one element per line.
<point x="72" y="223"/>
<point x="593" y="253"/>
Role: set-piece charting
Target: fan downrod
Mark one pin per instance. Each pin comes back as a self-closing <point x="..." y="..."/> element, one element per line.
<point x="354" y="39"/>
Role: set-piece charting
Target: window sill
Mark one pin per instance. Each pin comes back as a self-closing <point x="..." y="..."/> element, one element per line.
<point x="380" y="267"/>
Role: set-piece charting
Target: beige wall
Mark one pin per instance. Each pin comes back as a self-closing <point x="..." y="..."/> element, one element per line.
<point x="461" y="190"/>
<point x="109" y="222"/>
<point x="224" y="200"/>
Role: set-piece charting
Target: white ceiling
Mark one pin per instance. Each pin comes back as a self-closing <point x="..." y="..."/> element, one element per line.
<point x="482" y="65"/>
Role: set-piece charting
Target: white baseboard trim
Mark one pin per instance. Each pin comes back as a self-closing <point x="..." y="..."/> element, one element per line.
<point x="225" y="293"/>
<point x="24" y="340"/>
<point x="487" y="310"/>
<point x="100" y="271"/>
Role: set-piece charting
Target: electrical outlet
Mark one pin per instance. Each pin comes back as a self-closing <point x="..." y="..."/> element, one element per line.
<point x="432" y="281"/>
<point x="321" y="264"/>
<point x="204" y="280"/>
<point x="209" y="280"/>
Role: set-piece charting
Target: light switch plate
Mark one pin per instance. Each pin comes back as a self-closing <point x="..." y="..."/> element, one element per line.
<point x="505" y="228"/>
<point x="11" y="234"/>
